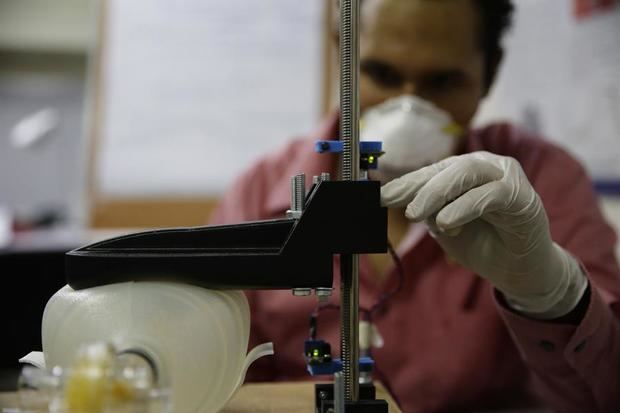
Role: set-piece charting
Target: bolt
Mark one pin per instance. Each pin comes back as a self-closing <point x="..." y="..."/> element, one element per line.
<point x="323" y="292"/>
<point x="293" y="214"/>
<point x="302" y="292"/>
<point x="298" y="195"/>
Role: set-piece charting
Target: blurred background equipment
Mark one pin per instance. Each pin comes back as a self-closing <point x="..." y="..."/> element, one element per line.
<point x="44" y="50"/>
<point x="44" y="55"/>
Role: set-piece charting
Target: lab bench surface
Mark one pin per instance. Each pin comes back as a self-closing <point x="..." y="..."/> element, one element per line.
<point x="261" y="398"/>
<point x="299" y="397"/>
<point x="285" y="397"/>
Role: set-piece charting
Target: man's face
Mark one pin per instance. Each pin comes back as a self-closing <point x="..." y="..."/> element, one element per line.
<point x="424" y="47"/>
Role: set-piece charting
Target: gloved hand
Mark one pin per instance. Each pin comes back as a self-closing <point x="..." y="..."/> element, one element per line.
<point x="484" y="213"/>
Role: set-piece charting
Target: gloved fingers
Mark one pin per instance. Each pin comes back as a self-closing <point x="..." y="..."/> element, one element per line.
<point x="400" y="191"/>
<point x="470" y="206"/>
<point x="450" y="184"/>
<point x="436" y="232"/>
<point x="433" y="229"/>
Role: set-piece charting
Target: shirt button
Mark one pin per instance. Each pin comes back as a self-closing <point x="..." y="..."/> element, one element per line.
<point x="547" y="345"/>
<point x="579" y="347"/>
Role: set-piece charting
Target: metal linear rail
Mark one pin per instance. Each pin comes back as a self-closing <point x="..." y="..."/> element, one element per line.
<point x="349" y="135"/>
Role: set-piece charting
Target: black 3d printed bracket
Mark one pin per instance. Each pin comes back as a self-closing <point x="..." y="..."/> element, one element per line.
<point x="339" y="217"/>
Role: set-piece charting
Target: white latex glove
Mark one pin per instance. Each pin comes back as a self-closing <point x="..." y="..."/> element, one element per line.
<point x="484" y="213"/>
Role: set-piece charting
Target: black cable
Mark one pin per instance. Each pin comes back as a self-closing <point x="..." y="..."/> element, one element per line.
<point x="400" y="270"/>
<point x="368" y="313"/>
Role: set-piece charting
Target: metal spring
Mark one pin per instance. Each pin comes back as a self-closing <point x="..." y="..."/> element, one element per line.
<point x="347" y="91"/>
<point x="345" y="333"/>
<point x="346" y="170"/>
<point x="349" y="135"/>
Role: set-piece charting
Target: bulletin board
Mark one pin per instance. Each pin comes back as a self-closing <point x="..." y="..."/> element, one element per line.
<point x="195" y="90"/>
<point x="189" y="93"/>
<point x="561" y="78"/>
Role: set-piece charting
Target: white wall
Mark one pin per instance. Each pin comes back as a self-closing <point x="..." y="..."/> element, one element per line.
<point x="561" y="78"/>
<point x="202" y="88"/>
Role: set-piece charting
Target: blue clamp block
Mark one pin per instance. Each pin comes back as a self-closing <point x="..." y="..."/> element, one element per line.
<point x="325" y="369"/>
<point x="366" y="365"/>
<point x="327" y="146"/>
<point x="375" y="147"/>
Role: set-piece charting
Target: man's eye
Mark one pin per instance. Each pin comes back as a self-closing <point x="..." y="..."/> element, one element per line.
<point x="381" y="74"/>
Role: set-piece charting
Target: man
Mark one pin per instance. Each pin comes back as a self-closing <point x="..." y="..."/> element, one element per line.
<point x="510" y="278"/>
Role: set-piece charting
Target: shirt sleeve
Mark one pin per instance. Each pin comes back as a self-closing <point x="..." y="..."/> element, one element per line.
<point x="576" y="368"/>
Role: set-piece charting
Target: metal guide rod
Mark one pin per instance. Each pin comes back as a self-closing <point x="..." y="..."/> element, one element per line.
<point x="349" y="135"/>
<point x="349" y="319"/>
<point x="338" y="393"/>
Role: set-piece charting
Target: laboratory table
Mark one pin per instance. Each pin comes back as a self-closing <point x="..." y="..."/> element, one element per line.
<point x="260" y="398"/>
<point x="277" y="398"/>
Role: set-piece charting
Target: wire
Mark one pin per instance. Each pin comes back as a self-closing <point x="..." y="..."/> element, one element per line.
<point x="400" y="270"/>
<point x="368" y="313"/>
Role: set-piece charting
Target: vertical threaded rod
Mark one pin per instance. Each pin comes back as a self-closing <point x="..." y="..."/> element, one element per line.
<point x="349" y="135"/>
<point x="349" y="319"/>
<point x="349" y="88"/>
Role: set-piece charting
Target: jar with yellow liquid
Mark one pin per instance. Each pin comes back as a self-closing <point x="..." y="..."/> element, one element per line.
<point x="100" y="380"/>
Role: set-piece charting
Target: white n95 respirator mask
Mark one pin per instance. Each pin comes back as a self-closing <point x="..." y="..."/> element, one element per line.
<point x="415" y="133"/>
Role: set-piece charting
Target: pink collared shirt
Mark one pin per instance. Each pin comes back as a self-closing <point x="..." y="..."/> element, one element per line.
<point x="449" y="346"/>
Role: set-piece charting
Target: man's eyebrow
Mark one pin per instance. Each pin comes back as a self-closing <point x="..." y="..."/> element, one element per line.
<point x="372" y="62"/>
<point x="448" y="73"/>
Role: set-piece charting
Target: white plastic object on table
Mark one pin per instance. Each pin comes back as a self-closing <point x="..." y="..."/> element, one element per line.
<point x="196" y="337"/>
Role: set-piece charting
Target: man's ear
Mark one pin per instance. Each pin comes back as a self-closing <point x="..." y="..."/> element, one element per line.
<point x="494" y="61"/>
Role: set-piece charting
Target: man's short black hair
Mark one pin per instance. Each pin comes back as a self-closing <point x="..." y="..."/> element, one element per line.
<point x="495" y="20"/>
